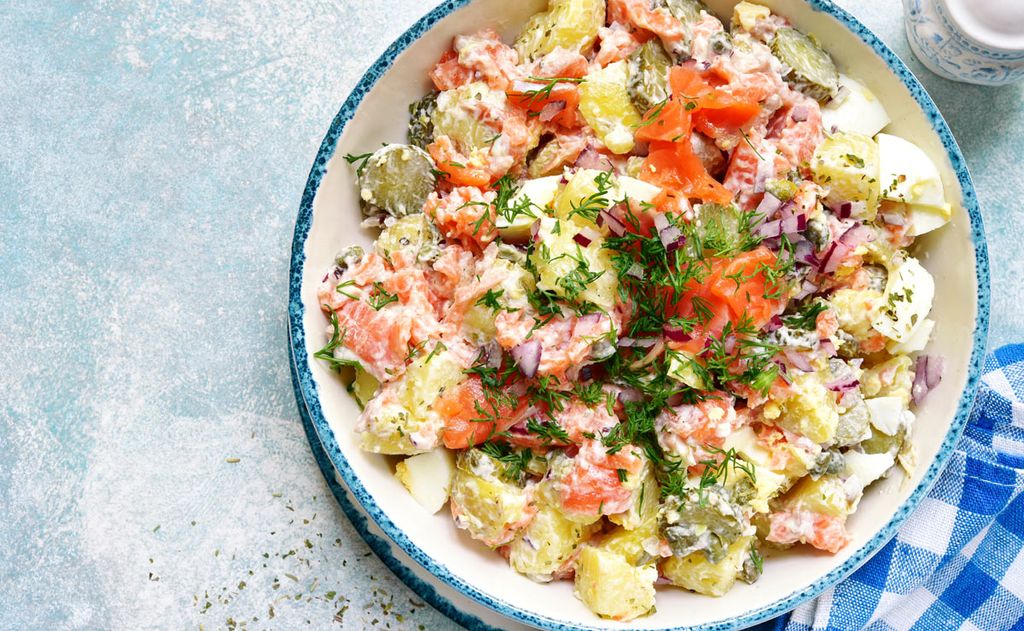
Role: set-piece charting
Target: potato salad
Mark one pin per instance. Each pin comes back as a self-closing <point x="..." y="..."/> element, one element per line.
<point x="642" y="311"/>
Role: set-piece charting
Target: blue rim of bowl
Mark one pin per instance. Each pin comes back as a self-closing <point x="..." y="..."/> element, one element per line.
<point x="306" y="388"/>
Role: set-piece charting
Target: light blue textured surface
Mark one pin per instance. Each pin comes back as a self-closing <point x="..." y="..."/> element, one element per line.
<point x="152" y="156"/>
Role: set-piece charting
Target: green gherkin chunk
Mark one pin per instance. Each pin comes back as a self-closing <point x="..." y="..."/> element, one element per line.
<point x="684" y="10"/>
<point x="881" y="443"/>
<point x="414" y="234"/>
<point x="648" y="75"/>
<point x="812" y="70"/>
<point x="421" y="124"/>
<point x="397" y="180"/>
<point x="718" y="226"/>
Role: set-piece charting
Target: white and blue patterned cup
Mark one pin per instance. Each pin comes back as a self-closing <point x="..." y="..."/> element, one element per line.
<point x="974" y="41"/>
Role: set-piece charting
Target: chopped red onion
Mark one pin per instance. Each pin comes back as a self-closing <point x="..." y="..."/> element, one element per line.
<point x="845" y="210"/>
<point x="806" y="289"/>
<point x="627" y="395"/>
<point x="894" y="219"/>
<point x="774" y="324"/>
<point x="535" y="230"/>
<point x="799" y="360"/>
<point x="844" y="384"/>
<point x="492" y="355"/>
<point x="636" y="270"/>
<point x="792" y="224"/>
<point x="676" y="333"/>
<point x="828" y="348"/>
<point x="615" y="225"/>
<point x="527" y="356"/>
<point x="770" y="229"/>
<point x="799" y="113"/>
<point x="729" y="345"/>
<point x="765" y="171"/>
<point x="591" y="159"/>
<point x="642" y="342"/>
<point x="803" y="252"/>
<point x="769" y="205"/>
<point x="550" y="111"/>
<point x="857" y="235"/>
<point x="585" y="237"/>
<point x="927" y="375"/>
<point x="672" y="238"/>
<point x="834" y="257"/>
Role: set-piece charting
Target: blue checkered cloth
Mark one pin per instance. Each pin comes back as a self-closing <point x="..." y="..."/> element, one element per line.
<point x="958" y="561"/>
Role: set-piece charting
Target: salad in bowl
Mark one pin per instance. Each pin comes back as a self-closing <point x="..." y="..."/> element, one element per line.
<point x="642" y="310"/>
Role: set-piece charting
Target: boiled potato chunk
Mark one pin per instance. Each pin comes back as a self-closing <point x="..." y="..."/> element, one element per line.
<point x="607" y="107"/>
<point x="455" y="115"/>
<point x="825" y="496"/>
<point x="545" y="547"/>
<point x="811" y="409"/>
<point x="428" y="477"/>
<point x="491" y="508"/>
<point x="567" y="266"/>
<point x="613" y="588"/>
<point x="848" y="165"/>
<point x="401" y="420"/>
<point x="746" y="15"/>
<point x="892" y="378"/>
<point x="569" y="24"/>
<point x="696" y="573"/>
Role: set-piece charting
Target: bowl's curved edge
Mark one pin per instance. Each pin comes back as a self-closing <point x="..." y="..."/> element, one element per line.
<point x="306" y="389"/>
<point x="380" y="547"/>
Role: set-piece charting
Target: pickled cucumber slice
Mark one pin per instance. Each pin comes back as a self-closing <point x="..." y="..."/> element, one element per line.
<point x="421" y="124"/>
<point x="683" y="10"/>
<point x="648" y="75"/>
<point x="569" y="24"/>
<point x="414" y="234"/>
<point x="397" y="180"/>
<point x="812" y="70"/>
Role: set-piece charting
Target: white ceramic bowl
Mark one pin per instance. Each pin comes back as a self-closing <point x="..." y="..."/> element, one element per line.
<point x="329" y="219"/>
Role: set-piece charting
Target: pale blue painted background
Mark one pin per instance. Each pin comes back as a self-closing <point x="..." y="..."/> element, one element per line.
<point x="152" y="156"/>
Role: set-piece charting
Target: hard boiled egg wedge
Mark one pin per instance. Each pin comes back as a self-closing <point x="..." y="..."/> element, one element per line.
<point x="855" y="109"/>
<point x="539" y="192"/>
<point x="906" y="303"/>
<point x="428" y="477"/>
<point x="909" y="176"/>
